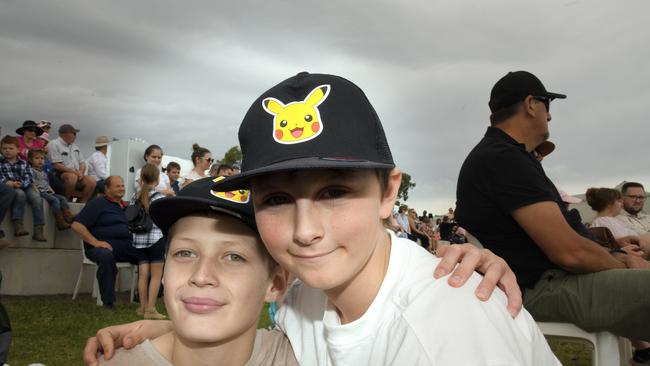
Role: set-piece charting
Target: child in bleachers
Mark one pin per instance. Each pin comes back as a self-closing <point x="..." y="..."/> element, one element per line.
<point x="15" y="173"/>
<point x="173" y="171"/>
<point x="58" y="203"/>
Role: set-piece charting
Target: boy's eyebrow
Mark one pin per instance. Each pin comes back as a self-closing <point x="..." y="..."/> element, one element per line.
<point x="212" y="242"/>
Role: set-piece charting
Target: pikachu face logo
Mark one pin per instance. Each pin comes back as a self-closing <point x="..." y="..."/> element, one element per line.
<point x="299" y="121"/>
<point x="238" y="196"/>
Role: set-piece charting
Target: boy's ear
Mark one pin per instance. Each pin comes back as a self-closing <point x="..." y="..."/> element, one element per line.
<point x="390" y="194"/>
<point x="278" y="286"/>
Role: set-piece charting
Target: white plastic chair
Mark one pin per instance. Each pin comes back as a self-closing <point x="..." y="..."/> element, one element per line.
<point x="87" y="262"/>
<point x="607" y="348"/>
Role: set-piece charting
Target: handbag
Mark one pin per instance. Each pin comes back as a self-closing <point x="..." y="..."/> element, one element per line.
<point x="138" y="220"/>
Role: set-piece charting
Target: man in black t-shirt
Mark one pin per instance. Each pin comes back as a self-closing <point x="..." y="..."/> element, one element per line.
<point x="445" y="229"/>
<point x="505" y="199"/>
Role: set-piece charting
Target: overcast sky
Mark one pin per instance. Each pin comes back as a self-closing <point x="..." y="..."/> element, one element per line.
<point x="174" y="73"/>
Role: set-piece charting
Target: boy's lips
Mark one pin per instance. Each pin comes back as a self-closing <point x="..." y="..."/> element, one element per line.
<point x="313" y="256"/>
<point x="202" y="305"/>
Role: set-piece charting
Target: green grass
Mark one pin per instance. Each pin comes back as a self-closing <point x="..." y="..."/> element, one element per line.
<point x="52" y="330"/>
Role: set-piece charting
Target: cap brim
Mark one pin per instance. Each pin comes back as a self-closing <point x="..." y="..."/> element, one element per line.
<point x="166" y="211"/>
<point x="242" y="180"/>
<point x="555" y="95"/>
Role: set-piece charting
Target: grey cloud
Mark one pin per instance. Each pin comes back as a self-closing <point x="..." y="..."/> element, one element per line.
<point x="175" y="73"/>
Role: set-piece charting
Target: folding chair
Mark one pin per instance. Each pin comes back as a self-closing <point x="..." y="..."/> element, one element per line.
<point x="87" y="262"/>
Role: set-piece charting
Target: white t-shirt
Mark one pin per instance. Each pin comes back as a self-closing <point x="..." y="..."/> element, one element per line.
<point x="617" y="228"/>
<point x="193" y="176"/>
<point x="163" y="181"/>
<point x="413" y="320"/>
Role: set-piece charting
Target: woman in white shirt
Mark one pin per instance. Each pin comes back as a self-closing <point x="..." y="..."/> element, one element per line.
<point x="153" y="155"/>
<point x="202" y="159"/>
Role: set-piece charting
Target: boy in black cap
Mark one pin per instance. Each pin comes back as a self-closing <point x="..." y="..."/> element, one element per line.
<point x="323" y="180"/>
<point x="217" y="276"/>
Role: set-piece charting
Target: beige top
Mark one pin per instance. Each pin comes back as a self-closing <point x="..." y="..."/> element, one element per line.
<point x="639" y="222"/>
<point x="271" y="348"/>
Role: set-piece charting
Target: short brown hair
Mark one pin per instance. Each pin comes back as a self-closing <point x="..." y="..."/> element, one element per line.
<point x="35" y="152"/>
<point x="600" y="198"/>
<point x="10" y="140"/>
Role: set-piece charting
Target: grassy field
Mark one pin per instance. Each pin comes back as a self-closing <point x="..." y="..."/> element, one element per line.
<point x="52" y="330"/>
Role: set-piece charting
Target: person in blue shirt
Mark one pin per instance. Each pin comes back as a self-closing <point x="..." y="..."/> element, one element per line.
<point x="104" y="229"/>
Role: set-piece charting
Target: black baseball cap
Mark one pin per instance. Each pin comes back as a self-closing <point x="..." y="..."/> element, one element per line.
<point x="198" y="196"/>
<point x="310" y="121"/>
<point x="516" y="86"/>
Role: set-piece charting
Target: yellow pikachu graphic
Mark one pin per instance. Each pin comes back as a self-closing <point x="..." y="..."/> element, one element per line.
<point x="238" y="196"/>
<point x="297" y="121"/>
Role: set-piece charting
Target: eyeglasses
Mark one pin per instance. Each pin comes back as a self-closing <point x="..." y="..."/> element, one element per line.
<point x="209" y="160"/>
<point x="544" y="99"/>
<point x="636" y="198"/>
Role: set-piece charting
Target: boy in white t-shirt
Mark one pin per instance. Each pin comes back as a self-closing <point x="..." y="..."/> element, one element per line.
<point x="323" y="179"/>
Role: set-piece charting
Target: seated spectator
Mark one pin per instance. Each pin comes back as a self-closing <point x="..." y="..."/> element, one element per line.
<point x="457" y="237"/>
<point x="505" y="199"/>
<point x="7" y="196"/>
<point x="151" y="246"/>
<point x="221" y="170"/>
<point x="608" y="204"/>
<point x="97" y="163"/>
<point x="415" y="230"/>
<point x="45" y="126"/>
<point x="634" y="197"/>
<point x="104" y="229"/>
<point x="15" y="174"/>
<point x="58" y="204"/>
<point x="173" y="171"/>
<point x="201" y="158"/>
<point x="28" y="140"/>
<point x="391" y="223"/>
<point x="69" y="165"/>
<point x="427" y="228"/>
<point x="445" y="228"/>
<point x="403" y="221"/>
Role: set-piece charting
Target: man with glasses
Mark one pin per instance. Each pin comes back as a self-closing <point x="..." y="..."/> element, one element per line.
<point x="505" y="199"/>
<point x="634" y="197"/>
<point x="69" y="165"/>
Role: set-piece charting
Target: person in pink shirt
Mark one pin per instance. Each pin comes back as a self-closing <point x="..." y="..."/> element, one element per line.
<point x="28" y="139"/>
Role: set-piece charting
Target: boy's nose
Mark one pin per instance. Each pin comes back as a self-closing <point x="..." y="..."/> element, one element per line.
<point x="308" y="228"/>
<point x="205" y="273"/>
